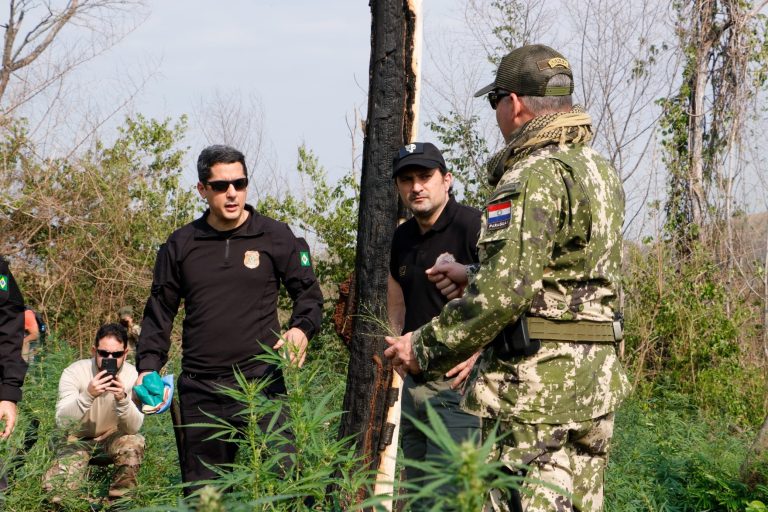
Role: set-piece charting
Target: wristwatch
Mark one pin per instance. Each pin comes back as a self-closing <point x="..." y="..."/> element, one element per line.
<point x="471" y="269"/>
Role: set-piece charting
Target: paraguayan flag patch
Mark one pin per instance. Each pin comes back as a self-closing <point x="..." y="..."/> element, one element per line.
<point x="499" y="214"/>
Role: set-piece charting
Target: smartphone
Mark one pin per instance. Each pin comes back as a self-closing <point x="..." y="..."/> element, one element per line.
<point x="110" y="365"/>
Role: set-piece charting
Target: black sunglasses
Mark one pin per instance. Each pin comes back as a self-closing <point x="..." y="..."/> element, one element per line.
<point x="223" y="185"/>
<point x="107" y="353"/>
<point x="494" y="97"/>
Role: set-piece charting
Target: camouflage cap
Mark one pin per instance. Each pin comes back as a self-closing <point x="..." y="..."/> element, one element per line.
<point x="526" y="71"/>
<point x="125" y="311"/>
<point x="418" y="154"/>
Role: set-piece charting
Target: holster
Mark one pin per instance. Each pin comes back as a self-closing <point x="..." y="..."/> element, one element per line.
<point x="515" y="341"/>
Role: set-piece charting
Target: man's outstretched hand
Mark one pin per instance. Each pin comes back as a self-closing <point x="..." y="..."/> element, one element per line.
<point x="400" y="352"/>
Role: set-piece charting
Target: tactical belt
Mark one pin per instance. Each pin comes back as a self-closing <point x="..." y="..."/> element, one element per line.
<point x="574" y="331"/>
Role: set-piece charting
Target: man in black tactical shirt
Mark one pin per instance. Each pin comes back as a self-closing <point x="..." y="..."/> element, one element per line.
<point x="12" y="366"/>
<point x="227" y="266"/>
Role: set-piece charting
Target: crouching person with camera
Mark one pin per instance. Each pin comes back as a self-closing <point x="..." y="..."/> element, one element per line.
<point x="99" y="421"/>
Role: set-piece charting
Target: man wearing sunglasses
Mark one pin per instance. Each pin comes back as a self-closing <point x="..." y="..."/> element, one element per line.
<point x="228" y="267"/>
<point x="99" y="419"/>
<point x="542" y="303"/>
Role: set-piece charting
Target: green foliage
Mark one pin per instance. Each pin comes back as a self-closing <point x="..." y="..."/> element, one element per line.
<point x="686" y="330"/>
<point x="465" y="152"/>
<point x="262" y="476"/>
<point x="89" y="227"/>
<point x="668" y="456"/>
<point x="464" y="466"/>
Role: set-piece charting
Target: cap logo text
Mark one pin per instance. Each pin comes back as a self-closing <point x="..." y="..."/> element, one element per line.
<point x="558" y="62"/>
<point x="410" y="148"/>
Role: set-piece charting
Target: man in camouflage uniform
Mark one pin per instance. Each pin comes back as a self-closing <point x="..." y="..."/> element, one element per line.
<point x="125" y="317"/>
<point x="550" y="250"/>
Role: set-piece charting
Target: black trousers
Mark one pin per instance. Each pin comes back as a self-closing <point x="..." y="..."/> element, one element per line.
<point x="201" y="394"/>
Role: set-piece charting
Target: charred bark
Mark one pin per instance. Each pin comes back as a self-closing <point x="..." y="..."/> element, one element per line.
<point x="390" y="100"/>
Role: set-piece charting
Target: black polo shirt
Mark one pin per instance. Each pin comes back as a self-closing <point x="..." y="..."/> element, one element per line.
<point x="456" y="231"/>
<point x="230" y="282"/>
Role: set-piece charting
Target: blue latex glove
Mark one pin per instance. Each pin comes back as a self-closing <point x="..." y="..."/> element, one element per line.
<point x="155" y="393"/>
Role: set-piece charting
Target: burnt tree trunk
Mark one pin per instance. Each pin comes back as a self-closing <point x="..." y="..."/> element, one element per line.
<point x="390" y="99"/>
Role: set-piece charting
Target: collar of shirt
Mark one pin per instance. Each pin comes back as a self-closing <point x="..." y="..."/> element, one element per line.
<point x="252" y="227"/>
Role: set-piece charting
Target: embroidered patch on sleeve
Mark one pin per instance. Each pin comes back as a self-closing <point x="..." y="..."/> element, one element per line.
<point x="304" y="259"/>
<point x="499" y="214"/>
<point x="3" y="283"/>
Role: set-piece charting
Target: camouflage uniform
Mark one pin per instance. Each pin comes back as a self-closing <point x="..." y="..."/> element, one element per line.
<point x="554" y="252"/>
<point x="70" y="469"/>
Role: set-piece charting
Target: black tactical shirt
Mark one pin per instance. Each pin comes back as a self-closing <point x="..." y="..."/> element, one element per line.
<point x="230" y="282"/>
<point x="456" y="231"/>
<point x="12" y="366"/>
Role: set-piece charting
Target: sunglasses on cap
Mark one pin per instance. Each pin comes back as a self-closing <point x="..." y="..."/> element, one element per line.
<point x="223" y="185"/>
<point x="107" y="353"/>
<point x="494" y="97"/>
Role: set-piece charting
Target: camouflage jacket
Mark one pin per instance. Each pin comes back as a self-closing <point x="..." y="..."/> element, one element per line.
<point x="550" y="246"/>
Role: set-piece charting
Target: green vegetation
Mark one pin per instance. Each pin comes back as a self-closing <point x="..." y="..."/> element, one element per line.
<point x="84" y="231"/>
<point x="668" y="456"/>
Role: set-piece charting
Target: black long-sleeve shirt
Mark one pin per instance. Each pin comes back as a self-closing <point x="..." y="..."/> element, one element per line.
<point x="230" y="282"/>
<point x="12" y="366"/>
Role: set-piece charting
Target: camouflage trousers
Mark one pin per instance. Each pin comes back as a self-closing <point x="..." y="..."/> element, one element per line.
<point x="563" y="464"/>
<point x="70" y="466"/>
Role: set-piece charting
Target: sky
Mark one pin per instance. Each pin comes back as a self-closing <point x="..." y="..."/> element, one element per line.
<point x="303" y="62"/>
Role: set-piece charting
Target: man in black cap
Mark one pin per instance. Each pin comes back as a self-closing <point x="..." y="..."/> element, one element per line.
<point x="550" y="262"/>
<point x="440" y="228"/>
<point x="12" y="366"/>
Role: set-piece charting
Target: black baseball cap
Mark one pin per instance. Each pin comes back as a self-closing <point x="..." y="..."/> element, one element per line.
<point x="418" y="154"/>
<point x="526" y="71"/>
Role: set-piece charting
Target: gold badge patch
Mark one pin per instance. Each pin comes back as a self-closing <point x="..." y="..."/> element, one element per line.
<point x="251" y="259"/>
<point x="557" y="61"/>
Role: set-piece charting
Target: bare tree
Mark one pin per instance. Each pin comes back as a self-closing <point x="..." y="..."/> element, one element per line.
<point x="234" y="119"/>
<point x="37" y="50"/>
<point x="725" y="67"/>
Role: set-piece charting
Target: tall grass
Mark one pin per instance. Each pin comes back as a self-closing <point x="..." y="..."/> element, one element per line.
<point x="668" y="455"/>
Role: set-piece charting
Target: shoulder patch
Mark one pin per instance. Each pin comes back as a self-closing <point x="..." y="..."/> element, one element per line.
<point x="3" y="283"/>
<point x="498" y="215"/>
<point x="304" y="259"/>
